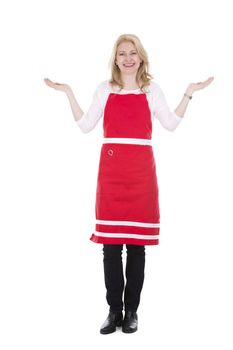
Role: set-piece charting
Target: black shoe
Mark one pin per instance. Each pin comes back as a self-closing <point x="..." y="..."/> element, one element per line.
<point x="130" y="323"/>
<point x="113" y="320"/>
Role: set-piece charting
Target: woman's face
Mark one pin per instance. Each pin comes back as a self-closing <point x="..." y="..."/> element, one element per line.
<point x="127" y="58"/>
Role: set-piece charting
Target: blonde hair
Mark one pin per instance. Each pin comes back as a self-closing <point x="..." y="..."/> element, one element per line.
<point x="143" y="77"/>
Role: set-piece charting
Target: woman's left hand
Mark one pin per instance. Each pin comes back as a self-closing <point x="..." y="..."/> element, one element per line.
<point x="198" y="86"/>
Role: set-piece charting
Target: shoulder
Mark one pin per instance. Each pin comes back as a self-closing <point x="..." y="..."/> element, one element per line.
<point x="103" y="87"/>
<point x="154" y="88"/>
<point x="102" y="92"/>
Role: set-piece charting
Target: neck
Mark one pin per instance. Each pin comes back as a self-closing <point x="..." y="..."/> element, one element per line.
<point x="129" y="82"/>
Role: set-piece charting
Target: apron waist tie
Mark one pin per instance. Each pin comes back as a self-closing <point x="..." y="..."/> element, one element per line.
<point x="128" y="141"/>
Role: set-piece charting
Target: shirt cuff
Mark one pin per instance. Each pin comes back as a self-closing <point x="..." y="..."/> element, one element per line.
<point x="177" y="117"/>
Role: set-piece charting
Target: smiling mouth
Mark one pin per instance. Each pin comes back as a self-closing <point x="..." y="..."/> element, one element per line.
<point x="129" y="65"/>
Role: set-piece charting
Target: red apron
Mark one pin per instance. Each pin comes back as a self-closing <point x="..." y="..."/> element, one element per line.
<point x="127" y="207"/>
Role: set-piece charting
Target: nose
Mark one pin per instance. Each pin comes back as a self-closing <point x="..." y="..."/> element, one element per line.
<point x="128" y="58"/>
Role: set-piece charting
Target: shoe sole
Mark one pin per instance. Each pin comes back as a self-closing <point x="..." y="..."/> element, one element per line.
<point x="119" y="324"/>
<point x="129" y="330"/>
<point x="108" y="332"/>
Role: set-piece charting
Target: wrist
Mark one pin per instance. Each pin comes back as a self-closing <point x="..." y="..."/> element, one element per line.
<point x="68" y="90"/>
<point x="188" y="95"/>
<point x="189" y="91"/>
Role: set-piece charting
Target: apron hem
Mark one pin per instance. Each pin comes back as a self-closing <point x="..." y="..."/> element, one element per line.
<point x="133" y="241"/>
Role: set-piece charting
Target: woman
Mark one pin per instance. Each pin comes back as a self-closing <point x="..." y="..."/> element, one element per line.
<point x="127" y="205"/>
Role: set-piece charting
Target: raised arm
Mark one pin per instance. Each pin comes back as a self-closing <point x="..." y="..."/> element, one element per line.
<point x="168" y="118"/>
<point x="86" y="121"/>
<point x="181" y="108"/>
<point x="76" y="110"/>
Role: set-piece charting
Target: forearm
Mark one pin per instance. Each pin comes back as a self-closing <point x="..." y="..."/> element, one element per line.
<point x="76" y="109"/>
<point x="181" y="108"/>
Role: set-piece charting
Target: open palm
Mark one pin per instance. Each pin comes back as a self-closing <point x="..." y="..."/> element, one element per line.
<point x="200" y="85"/>
<point x="56" y="86"/>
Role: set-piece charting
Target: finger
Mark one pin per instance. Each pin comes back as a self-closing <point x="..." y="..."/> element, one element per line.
<point x="48" y="82"/>
<point x="208" y="81"/>
<point x="51" y="84"/>
<point x="202" y="85"/>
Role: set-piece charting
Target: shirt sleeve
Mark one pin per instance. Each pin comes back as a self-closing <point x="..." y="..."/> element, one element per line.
<point x="160" y="110"/>
<point x="90" y="119"/>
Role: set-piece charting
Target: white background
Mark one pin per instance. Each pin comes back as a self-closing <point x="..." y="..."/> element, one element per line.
<point x="52" y="293"/>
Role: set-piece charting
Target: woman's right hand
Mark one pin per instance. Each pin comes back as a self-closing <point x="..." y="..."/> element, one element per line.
<point x="57" y="86"/>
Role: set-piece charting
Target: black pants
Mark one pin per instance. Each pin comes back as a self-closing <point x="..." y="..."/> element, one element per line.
<point x="114" y="276"/>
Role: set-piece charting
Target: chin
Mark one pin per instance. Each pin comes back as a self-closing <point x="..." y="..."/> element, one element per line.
<point x="129" y="71"/>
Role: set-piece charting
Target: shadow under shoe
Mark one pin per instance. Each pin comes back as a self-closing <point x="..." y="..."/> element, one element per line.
<point x="130" y="323"/>
<point x="113" y="320"/>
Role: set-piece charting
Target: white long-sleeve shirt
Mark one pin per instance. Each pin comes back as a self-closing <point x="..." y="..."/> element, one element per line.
<point x="156" y="101"/>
